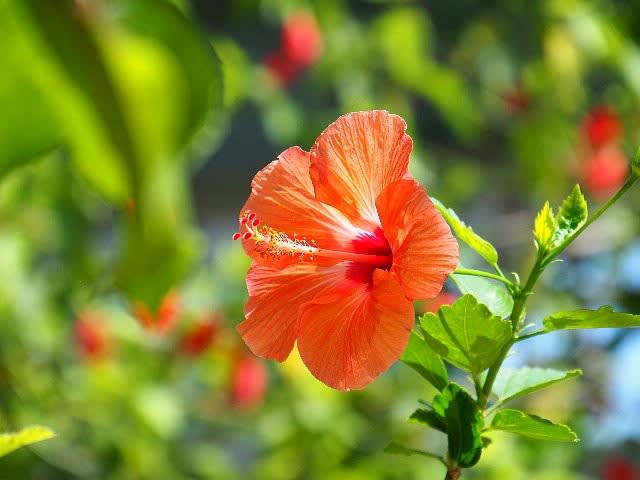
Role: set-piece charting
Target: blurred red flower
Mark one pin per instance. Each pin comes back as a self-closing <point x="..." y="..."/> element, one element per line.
<point x="90" y="336"/>
<point x="342" y="240"/>
<point x="301" y="39"/>
<point x="281" y="68"/>
<point x="619" y="468"/>
<point x="199" y="337"/>
<point x="249" y="380"/>
<point x="516" y="101"/>
<point x="601" y="126"/>
<point x="605" y="171"/>
<point x="165" y="318"/>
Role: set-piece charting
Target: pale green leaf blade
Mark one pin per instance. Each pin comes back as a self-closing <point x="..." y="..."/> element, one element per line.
<point x="467" y="235"/>
<point x="488" y="292"/>
<point x="12" y="441"/>
<point x="532" y="426"/>
<point x="545" y="227"/>
<point x="466" y="334"/>
<point x="572" y="215"/>
<point x="604" y="317"/>
<point x="512" y="383"/>
<point x="419" y="356"/>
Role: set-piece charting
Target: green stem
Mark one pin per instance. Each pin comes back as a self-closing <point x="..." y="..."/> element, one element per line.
<point x="521" y="296"/>
<point x="516" y="313"/>
<point x="530" y="335"/>
<point x="482" y="273"/>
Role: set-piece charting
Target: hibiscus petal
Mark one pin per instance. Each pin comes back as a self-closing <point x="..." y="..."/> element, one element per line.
<point x="355" y="158"/>
<point x="282" y="197"/>
<point x="275" y="296"/>
<point x="424" y="249"/>
<point x="347" y="339"/>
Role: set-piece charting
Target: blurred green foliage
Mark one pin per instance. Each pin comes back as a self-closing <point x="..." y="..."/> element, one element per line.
<point x="110" y="110"/>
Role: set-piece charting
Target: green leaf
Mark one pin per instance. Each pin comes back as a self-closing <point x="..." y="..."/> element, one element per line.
<point x="491" y="293"/>
<point x="572" y="215"/>
<point x="419" y="356"/>
<point x="12" y="441"/>
<point x="545" y="227"/>
<point x="515" y="382"/>
<point x="464" y="424"/>
<point x="396" y="449"/>
<point x="635" y="164"/>
<point x="532" y="426"/>
<point x="428" y="416"/>
<point x="466" y="334"/>
<point x="467" y="235"/>
<point x="604" y="317"/>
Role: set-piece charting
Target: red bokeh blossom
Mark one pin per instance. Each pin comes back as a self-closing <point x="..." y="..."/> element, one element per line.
<point x="301" y="39"/>
<point x="165" y="318"/>
<point x="199" y="336"/>
<point x="601" y="126"/>
<point x="516" y="101"/>
<point x="604" y="171"/>
<point x="342" y="239"/>
<point x="281" y="68"/>
<point x="90" y="336"/>
<point x="619" y="468"/>
<point x="249" y="380"/>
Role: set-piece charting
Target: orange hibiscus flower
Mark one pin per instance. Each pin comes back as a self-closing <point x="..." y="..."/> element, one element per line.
<point x="342" y="240"/>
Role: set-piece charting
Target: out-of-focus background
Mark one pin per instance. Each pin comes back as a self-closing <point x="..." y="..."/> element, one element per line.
<point x="129" y="134"/>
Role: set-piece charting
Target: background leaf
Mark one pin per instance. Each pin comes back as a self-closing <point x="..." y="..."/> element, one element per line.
<point x="419" y="356"/>
<point x="12" y="441"/>
<point x="604" y="317"/>
<point x="515" y="382"/>
<point x="466" y="334"/>
<point x="491" y="293"/>
<point x="467" y="235"/>
<point x="532" y="426"/>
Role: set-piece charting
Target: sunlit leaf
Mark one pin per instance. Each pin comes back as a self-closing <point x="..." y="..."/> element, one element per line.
<point x="419" y="356"/>
<point x="571" y="216"/>
<point x="467" y="235"/>
<point x="512" y="383"/>
<point x="545" y="227"/>
<point x="604" y="317"/>
<point x="12" y="441"/>
<point x="466" y="334"/>
<point x="491" y="293"/>
<point x="532" y="426"/>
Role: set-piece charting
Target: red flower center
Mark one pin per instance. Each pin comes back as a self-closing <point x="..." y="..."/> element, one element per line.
<point x="371" y="248"/>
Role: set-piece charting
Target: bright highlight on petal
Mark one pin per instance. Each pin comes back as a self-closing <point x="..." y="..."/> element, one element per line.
<point x="342" y="240"/>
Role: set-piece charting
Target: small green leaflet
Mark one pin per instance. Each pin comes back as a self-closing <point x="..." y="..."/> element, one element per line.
<point x="464" y="424"/>
<point x="544" y="227"/>
<point x="12" y="441"/>
<point x="467" y="235"/>
<point x="572" y="215"/>
<point x="419" y="356"/>
<point x="466" y="334"/>
<point x="396" y="449"/>
<point x="515" y="382"/>
<point x="532" y="426"/>
<point x="428" y="416"/>
<point x="604" y="317"/>
<point x="488" y="292"/>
